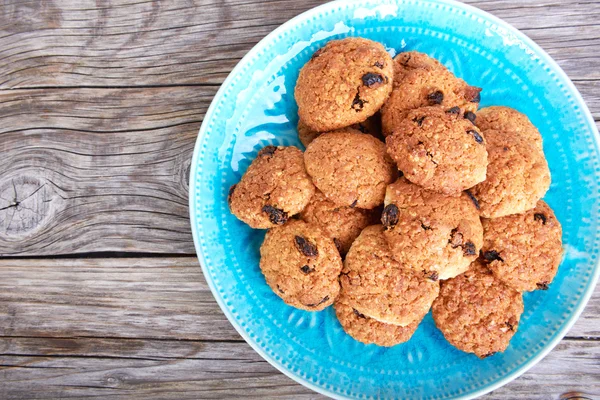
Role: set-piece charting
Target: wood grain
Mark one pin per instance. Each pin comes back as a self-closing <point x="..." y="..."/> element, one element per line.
<point x="156" y="298"/>
<point x="149" y="327"/>
<point x="87" y="170"/>
<point x="89" y="43"/>
<point x="140" y="369"/>
<point x="153" y="298"/>
<point x="169" y="369"/>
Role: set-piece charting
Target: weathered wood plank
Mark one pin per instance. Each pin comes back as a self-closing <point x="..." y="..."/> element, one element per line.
<point x="82" y="43"/>
<point x="88" y="43"/>
<point x="140" y="369"/>
<point x="90" y="170"/>
<point x="129" y="298"/>
<point x="103" y="111"/>
<point x="151" y="298"/>
<point x="169" y="369"/>
<point x="86" y="170"/>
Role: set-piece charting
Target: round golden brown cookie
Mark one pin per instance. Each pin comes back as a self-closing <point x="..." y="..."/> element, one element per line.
<point x="524" y="250"/>
<point x="429" y="232"/>
<point x="344" y="83"/>
<point x="517" y="176"/>
<point x="371" y="126"/>
<point x="477" y="313"/>
<point x="368" y="330"/>
<point x="275" y="187"/>
<point x="379" y="287"/>
<point x="342" y="223"/>
<point x="420" y="81"/>
<point x="301" y="265"/>
<point x="509" y="120"/>
<point x="438" y="150"/>
<point x="350" y="168"/>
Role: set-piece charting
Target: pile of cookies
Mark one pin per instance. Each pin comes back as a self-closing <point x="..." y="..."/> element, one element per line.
<point x="406" y="199"/>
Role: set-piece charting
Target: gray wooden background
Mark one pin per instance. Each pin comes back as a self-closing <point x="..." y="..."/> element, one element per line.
<point x="100" y="104"/>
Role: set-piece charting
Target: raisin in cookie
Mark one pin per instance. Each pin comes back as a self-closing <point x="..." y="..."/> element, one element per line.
<point x="477" y="313"/>
<point x="371" y="126"/>
<point x="438" y="150"/>
<point x="344" y="83"/>
<point x="509" y="120"/>
<point x="420" y="81"/>
<point x="301" y="265"/>
<point x="429" y="232"/>
<point x="342" y="223"/>
<point x="523" y="250"/>
<point x="517" y="176"/>
<point x="275" y="187"/>
<point x="368" y="330"/>
<point x="350" y="168"/>
<point x="379" y="287"/>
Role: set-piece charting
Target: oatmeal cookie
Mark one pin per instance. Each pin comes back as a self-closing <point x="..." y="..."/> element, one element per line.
<point x="420" y="81"/>
<point x="350" y="168"/>
<point x="342" y="223"/>
<point x="517" y="176"/>
<point x="368" y="330"/>
<point x="438" y="150"/>
<point x="301" y="264"/>
<point x="477" y="313"/>
<point x="344" y="83"/>
<point x="371" y="126"/>
<point x="275" y="187"/>
<point x="510" y="121"/>
<point x="379" y="287"/>
<point x="429" y="232"/>
<point x="524" y="250"/>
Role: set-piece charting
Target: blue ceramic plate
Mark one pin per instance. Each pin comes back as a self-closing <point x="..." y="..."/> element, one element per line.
<point x="255" y="107"/>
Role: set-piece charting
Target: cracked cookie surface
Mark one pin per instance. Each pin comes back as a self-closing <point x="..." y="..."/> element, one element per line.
<point x="343" y="224"/>
<point x="301" y="264"/>
<point x="429" y="232"/>
<point x="517" y="175"/>
<point x="350" y="168"/>
<point x="275" y="187"/>
<point x="379" y="287"/>
<point x="524" y="250"/>
<point x="438" y="150"/>
<point x="344" y="83"/>
<point x="476" y="312"/>
<point x="368" y="330"/>
<point x="420" y="81"/>
<point x="506" y="119"/>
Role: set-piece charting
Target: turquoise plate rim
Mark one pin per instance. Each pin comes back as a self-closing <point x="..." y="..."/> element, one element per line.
<point x="586" y="295"/>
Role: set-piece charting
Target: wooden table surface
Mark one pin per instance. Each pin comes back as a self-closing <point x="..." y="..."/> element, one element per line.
<point x="100" y="105"/>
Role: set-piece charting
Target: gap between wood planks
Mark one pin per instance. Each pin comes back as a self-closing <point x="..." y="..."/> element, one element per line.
<point x="100" y="87"/>
<point x="4" y="89"/>
<point x="240" y="340"/>
<point x="103" y="254"/>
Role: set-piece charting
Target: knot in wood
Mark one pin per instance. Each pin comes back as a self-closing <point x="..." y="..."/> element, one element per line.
<point x="24" y="205"/>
